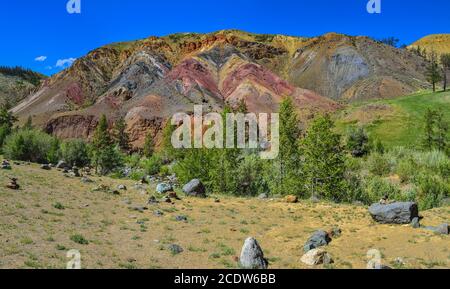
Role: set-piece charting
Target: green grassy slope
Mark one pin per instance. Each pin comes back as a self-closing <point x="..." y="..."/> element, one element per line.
<point x="396" y="122"/>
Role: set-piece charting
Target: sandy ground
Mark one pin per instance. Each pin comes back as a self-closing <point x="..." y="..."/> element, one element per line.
<point x="35" y="232"/>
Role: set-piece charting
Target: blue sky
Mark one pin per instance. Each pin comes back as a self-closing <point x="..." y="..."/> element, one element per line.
<point x="34" y="28"/>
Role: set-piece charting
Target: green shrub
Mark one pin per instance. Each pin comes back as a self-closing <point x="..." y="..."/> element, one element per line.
<point x="249" y="177"/>
<point x="376" y="188"/>
<point x="30" y="145"/>
<point x="75" y="153"/>
<point x="152" y="165"/>
<point x="406" y="169"/>
<point x="432" y="190"/>
<point x="79" y="239"/>
<point x="378" y="164"/>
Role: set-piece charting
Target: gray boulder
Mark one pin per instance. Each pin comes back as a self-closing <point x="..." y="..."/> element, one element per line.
<point x="441" y="229"/>
<point x="415" y="223"/>
<point x="175" y="249"/>
<point x="163" y="188"/>
<point x="62" y="165"/>
<point x="195" y="188"/>
<point x="318" y="239"/>
<point x="395" y="213"/>
<point x="252" y="256"/>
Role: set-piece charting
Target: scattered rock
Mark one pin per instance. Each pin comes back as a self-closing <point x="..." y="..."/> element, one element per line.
<point x="13" y="185"/>
<point x="399" y="262"/>
<point x="195" y="188"/>
<point x="138" y="208"/>
<point x="46" y="167"/>
<point x="152" y="200"/>
<point x="252" y="256"/>
<point x="394" y="213"/>
<point x="158" y="213"/>
<point x="175" y="249"/>
<point x="316" y="257"/>
<point x="173" y="195"/>
<point x="6" y="165"/>
<point x="122" y="187"/>
<point x="163" y="188"/>
<point x="86" y="180"/>
<point x="101" y="188"/>
<point x="75" y="172"/>
<point x="291" y="199"/>
<point x="441" y="229"/>
<point x="217" y="201"/>
<point x="62" y="165"/>
<point x="263" y="196"/>
<point x="415" y="223"/>
<point x="318" y="239"/>
<point x="335" y="232"/>
<point x="166" y="200"/>
<point x="181" y="218"/>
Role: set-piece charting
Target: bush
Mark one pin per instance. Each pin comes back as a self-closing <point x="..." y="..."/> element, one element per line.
<point x="378" y="164"/>
<point x="152" y="166"/>
<point x="108" y="160"/>
<point x="376" y="188"/>
<point x="432" y="190"/>
<point x="358" y="142"/>
<point x="29" y="145"/>
<point x="75" y="153"/>
<point x="249" y="177"/>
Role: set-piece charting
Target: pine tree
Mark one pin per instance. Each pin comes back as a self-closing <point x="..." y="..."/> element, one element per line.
<point x="433" y="71"/>
<point x="287" y="174"/>
<point x="106" y="157"/>
<point x="358" y="142"/>
<point x="122" y="138"/>
<point x="445" y="61"/>
<point x="324" y="160"/>
<point x="442" y="133"/>
<point x="7" y="120"/>
<point x="148" y="148"/>
<point x="430" y="122"/>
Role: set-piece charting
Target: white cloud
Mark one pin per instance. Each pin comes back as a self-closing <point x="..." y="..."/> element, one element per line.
<point x="40" y="58"/>
<point x="63" y="63"/>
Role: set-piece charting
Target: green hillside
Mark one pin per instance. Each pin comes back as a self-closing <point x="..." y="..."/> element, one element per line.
<point x="396" y="122"/>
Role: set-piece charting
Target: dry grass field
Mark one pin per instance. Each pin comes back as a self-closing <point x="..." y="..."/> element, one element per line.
<point x="52" y="214"/>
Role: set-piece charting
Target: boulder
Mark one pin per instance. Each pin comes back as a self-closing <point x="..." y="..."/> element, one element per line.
<point x="318" y="239"/>
<point x="175" y="249"/>
<point x="181" y="218"/>
<point x="441" y="229"/>
<point x="46" y="167"/>
<point x="394" y="213"/>
<point x="122" y="187"/>
<point x="263" y="196"/>
<point x="62" y="165"/>
<point x="291" y="199"/>
<point x="6" y="165"/>
<point x="163" y="188"/>
<point x="252" y="256"/>
<point x="86" y="180"/>
<point x="195" y="188"/>
<point x="316" y="257"/>
<point x="415" y="223"/>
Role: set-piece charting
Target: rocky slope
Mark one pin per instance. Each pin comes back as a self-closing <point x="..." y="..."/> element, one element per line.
<point x="17" y="83"/>
<point x="437" y="42"/>
<point x="146" y="81"/>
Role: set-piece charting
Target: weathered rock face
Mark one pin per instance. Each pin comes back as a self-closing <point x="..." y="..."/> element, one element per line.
<point x="149" y="80"/>
<point x="195" y="188"/>
<point x="395" y="213"/>
<point x="252" y="256"/>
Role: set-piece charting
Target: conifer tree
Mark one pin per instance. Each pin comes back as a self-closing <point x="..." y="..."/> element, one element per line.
<point x="122" y="137"/>
<point x="433" y="71"/>
<point x="324" y="160"/>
